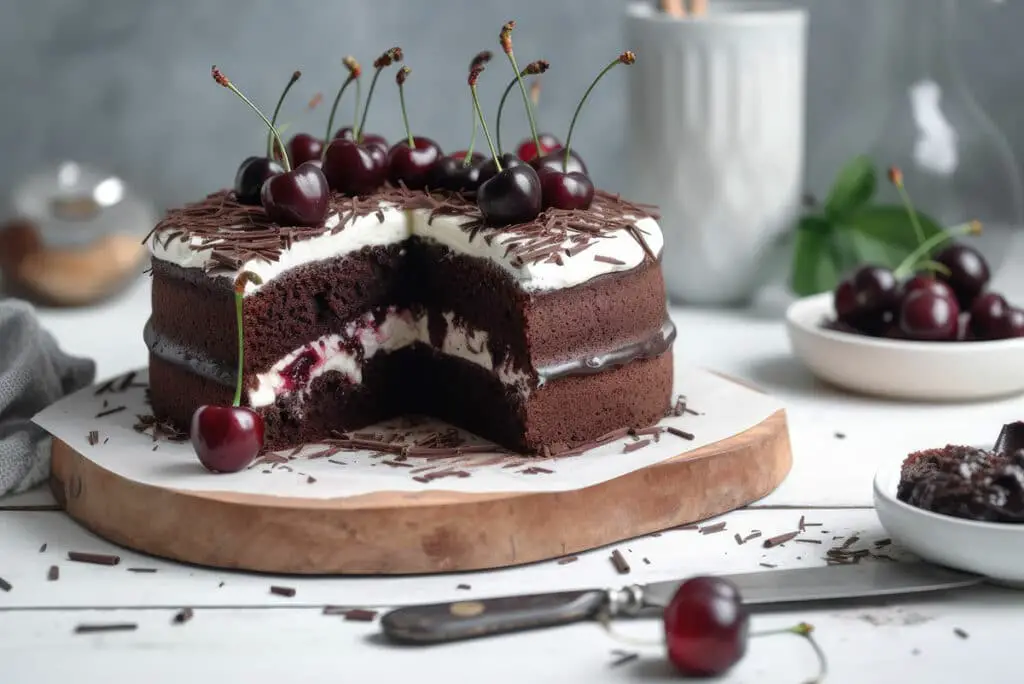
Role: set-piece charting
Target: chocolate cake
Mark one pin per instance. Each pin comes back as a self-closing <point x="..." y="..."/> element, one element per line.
<point x="539" y="336"/>
<point x="967" y="482"/>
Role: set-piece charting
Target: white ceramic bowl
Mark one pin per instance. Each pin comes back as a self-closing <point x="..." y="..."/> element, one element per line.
<point x="900" y="369"/>
<point x="995" y="550"/>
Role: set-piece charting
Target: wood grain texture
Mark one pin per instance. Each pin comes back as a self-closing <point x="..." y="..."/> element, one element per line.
<point x="423" y="532"/>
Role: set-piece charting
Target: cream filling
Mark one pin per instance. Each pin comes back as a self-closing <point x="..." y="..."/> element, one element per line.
<point x="620" y="246"/>
<point x="345" y="353"/>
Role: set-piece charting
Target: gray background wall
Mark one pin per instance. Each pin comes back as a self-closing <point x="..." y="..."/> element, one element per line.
<point x="125" y="83"/>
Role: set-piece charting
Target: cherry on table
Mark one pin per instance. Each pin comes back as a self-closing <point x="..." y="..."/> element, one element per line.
<point x="226" y="438"/>
<point x="706" y="627"/>
<point x="304" y="147"/>
<point x="968" y="272"/>
<point x="513" y="195"/>
<point x="527" y="149"/>
<point x="863" y="300"/>
<point x="572" y="190"/>
<point x="929" y="316"/>
<point x="297" y="198"/>
<point x="251" y="175"/>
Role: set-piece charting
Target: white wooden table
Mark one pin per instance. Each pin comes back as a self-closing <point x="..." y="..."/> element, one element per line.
<point x="241" y="632"/>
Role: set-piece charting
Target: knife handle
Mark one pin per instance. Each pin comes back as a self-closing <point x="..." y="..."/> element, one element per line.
<point x="444" y="622"/>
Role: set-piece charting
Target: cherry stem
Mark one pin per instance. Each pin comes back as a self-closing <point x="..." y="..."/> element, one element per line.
<point x="334" y="106"/>
<point x="223" y="80"/>
<point x="277" y="110"/>
<point x="624" y="58"/>
<point x="501" y="108"/>
<point x="897" y="180"/>
<point x="911" y="262"/>
<point x="803" y="630"/>
<point x="403" y="73"/>
<point x="241" y="280"/>
<point x="466" y="161"/>
<point x="526" y="102"/>
<point x="483" y="124"/>
<point x="387" y="59"/>
<point x="359" y="97"/>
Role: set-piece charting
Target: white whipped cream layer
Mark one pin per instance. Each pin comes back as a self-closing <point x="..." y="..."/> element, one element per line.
<point x="398" y="225"/>
<point x="362" y="339"/>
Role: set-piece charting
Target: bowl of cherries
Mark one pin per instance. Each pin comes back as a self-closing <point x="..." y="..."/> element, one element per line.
<point x="930" y="330"/>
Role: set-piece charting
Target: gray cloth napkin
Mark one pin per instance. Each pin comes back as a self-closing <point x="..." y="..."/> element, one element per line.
<point x="34" y="373"/>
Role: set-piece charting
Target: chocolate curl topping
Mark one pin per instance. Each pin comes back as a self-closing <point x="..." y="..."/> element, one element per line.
<point x="627" y="57"/>
<point x="506" y="36"/>
<point x="534" y="68"/>
<point x="388" y="58"/>
<point x="353" y="66"/>
<point x="402" y="74"/>
<point x="244" y="278"/>
<point x="480" y="59"/>
<point x="219" y="76"/>
<point x="474" y="75"/>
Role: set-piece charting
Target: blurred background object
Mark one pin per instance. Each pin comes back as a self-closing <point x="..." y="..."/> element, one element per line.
<point x="125" y="87"/>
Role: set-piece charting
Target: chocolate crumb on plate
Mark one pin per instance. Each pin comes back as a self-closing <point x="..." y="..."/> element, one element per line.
<point x="42" y="549"/>
<point x="53" y="574"/>
<point x="141" y="569"/>
<point x="713" y="529"/>
<point x="807" y="524"/>
<point x="220" y="585"/>
<point x="463" y="586"/>
<point x="646" y="562"/>
<point x="800" y="525"/>
<point x="679" y="433"/>
<point x="282" y="591"/>
<point x="93" y="437"/>
<point x="620" y="563"/>
<point x="567" y="560"/>
<point x="94" y="558"/>
<point x="738" y="538"/>
<point x="634" y="446"/>
<point x="768" y="565"/>
<point x="753" y="535"/>
<point x="310" y="479"/>
<point x="808" y="541"/>
<point x="622" y="657"/>
<point x="960" y="633"/>
<point x="5" y="585"/>
<point x="111" y="411"/>
<point x="183" y="616"/>
<point x="360" y="615"/>
<point x="780" y="539"/>
<point x="108" y="627"/>
<point x="840" y="435"/>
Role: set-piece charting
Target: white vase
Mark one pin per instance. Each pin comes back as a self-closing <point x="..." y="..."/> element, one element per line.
<point x="716" y="138"/>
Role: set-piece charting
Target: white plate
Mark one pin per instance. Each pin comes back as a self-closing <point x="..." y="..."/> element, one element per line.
<point x="995" y="550"/>
<point x="927" y="371"/>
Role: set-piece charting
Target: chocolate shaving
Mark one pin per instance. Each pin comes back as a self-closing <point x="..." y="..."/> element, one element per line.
<point x="808" y="541"/>
<point x="609" y="260"/>
<point x="780" y="539"/>
<point x="5" y="585"/>
<point x="621" y="658"/>
<point x="620" y="563"/>
<point x="960" y="633"/>
<point x="109" y="627"/>
<point x="768" y="565"/>
<point x="53" y="574"/>
<point x="713" y="529"/>
<point x="150" y="570"/>
<point x="463" y="586"/>
<point x="94" y="558"/>
<point x="42" y="549"/>
<point x="360" y="615"/>
<point x="679" y="433"/>
<point x="633" y="446"/>
<point x="567" y="560"/>
<point x="646" y="562"/>
<point x="183" y="616"/>
<point x="111" y="411"/>
<point x="282" y="591"/>
<point x="753" y="535"/>
<point x="93" y="437"/>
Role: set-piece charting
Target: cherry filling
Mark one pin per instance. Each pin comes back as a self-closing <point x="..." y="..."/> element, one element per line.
<point x="297" y="373"/>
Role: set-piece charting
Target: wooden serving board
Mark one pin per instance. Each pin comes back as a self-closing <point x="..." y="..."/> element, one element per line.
<point x="439" y="529"/>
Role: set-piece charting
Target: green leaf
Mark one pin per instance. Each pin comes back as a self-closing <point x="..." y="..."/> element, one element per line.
<point x="888" y="231"/>
<point x="816" y="257"/>
<point x="853" y="189"/>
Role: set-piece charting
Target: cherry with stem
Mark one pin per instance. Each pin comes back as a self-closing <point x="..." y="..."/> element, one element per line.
<point x="295" y="197"/>
<point x="531" y="69"/>
<point x="354" y="72"/>
<point x="254" y="171"/>
<point x="896" y="178"/>
<point x="505" y="38"/>
<point x="628" y="57"/>
<point x="460" y="171"/>
<point x="513" y="193"/>
<point x="411" y="160"/>
<point x="227" y="438"/>
<point x="385" y="60"/>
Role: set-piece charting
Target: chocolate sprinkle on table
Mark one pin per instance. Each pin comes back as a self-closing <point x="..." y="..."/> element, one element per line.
<point x="567" y="560"/>
<point x="282" y="591"/>
<point x="780" y="539"/>
<point x="679" y="433"/>
<point x="646" y="562"/>
<point x="620" y="563"/>
<point x="111" y="411"/>
<point x="111" y="627"/>
<point x="634" y="446"/>
<point x="5" y="585"/>
<point x="713" y="529"/>
<point x="463" y="586"/>
<point x="310" y="479"/>
<point x="800" y="525"/>
<point x="141" y="569"/>
<point x="738" y="538"/>
<point x="808" y="541"/>
<point x="753" y="535"/>
<point x="840" y="435"/>
<point x="768" y="565"/>
<point x="183" y="616"/>
<point x="623" y="657"/>
<point x="360" y="615"/>
<point x="960" y="633"/>
<point x="53" y="574"/>
<point x="94" y="558"/>
<point x="42" y="548"/>
<point x="93" y="437"/>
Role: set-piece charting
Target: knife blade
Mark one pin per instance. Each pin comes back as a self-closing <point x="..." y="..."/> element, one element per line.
<point x="447" y="622"/>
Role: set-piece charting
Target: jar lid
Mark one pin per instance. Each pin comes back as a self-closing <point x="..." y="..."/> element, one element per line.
<point x="73" y="205"/>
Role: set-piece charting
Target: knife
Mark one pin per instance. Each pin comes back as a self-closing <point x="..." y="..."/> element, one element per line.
<point x="447" y="622"/>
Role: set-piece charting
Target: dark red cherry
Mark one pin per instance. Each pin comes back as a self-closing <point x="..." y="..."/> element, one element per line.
<point x="865" y="300"/>
<point x="304" y="147"/>
<point x="511" y="196"/>
<point x="508" y="161"/>
<point x="555" y="159"/>
<point x="250" y="177"/>
<point x="461" y="154"/>
<point x="226" y="438"/>
<point x="706" y="627"/>
<point x="968" y="272"/>
<point x="354" y="169"/>
<point x="450" y="173"/>
<point x="925" y="281"/>
<point x="566" y="190"/>
<point x="992" y="318"/>
<point x="346" y="134"/>
<point x="927" y="315"/>
<point x="527" y="149"/>
<point x="412" y="165"/>
<point x="298" y="197"/>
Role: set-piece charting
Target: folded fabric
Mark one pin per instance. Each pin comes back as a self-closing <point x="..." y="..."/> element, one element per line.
<point x="34" y="373"/>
